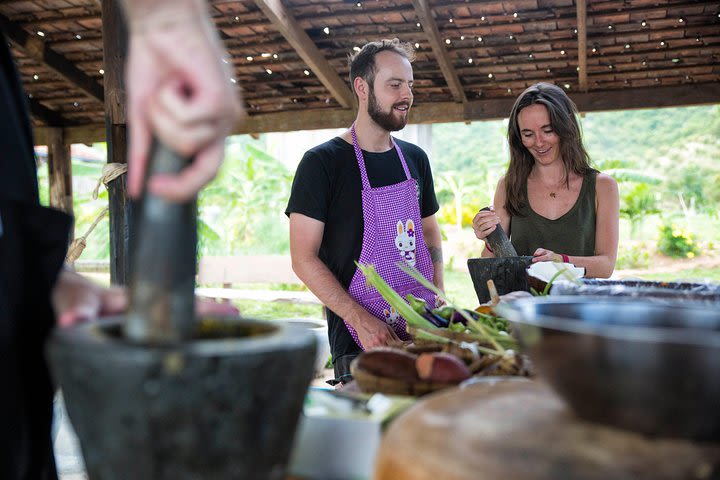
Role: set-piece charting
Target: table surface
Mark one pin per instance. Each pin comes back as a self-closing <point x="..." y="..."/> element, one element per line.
<point x="520" y="429"/>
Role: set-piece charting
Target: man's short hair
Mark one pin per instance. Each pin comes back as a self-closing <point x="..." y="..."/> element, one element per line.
<point x="362" y="63"/>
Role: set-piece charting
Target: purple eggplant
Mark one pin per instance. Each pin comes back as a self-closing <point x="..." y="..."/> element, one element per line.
<point x="434" y="317"/>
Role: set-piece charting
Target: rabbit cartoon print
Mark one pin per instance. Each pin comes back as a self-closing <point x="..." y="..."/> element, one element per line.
<point x="405" y="240"/>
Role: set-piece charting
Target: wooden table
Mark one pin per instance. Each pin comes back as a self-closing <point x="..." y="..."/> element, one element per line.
<point x="519" y="429"/>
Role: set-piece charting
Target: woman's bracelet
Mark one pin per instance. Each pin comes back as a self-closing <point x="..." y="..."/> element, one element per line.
<point x="565" y="258"/>
<point x="487" y="246"/>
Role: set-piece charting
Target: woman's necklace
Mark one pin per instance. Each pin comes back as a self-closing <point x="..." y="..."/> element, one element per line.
<point x="553" y="195"/>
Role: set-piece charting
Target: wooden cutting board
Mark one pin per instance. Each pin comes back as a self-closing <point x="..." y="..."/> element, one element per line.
<point x="519" y="429"/>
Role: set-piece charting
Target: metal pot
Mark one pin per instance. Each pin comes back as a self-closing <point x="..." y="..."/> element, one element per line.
<point x="627" y="362"/>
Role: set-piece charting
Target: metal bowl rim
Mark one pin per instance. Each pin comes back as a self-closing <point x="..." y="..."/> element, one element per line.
<point x="667" y="335"/>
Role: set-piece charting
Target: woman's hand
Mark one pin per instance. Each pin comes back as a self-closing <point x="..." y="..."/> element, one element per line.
<point x="545" y="255"/>
<point x="484" y="222"/>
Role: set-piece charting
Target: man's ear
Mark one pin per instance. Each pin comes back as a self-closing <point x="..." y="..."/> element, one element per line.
<point x="361" y="88"/>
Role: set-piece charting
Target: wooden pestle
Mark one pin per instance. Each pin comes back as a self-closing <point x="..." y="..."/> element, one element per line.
<point x="162" y="281"/>
<point x="499" y="242"/>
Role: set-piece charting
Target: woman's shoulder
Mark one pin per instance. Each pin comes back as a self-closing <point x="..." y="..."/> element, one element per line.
<point x="605" y="184"/>
<point x="502" y="182"/>
<point x="603" y="179"/>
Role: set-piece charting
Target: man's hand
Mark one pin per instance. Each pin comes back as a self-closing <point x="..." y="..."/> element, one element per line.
<point x="373" y="332"/>
<point x="179" y="90"/>
<point x="76" y="299"/>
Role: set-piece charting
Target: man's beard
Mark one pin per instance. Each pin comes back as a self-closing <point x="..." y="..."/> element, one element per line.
<point x="386" y="120"/>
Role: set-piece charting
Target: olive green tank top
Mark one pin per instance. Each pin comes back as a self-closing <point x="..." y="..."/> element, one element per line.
<point x="571" y="234"/>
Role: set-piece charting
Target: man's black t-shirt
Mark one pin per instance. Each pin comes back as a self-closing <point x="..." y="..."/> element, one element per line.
<point x="327" y="187"/>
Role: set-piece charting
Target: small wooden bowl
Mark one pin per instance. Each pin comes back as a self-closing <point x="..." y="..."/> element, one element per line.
<point x="370" y="383"/>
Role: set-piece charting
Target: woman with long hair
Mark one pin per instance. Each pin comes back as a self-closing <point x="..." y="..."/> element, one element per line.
<point x="552" y="203"/>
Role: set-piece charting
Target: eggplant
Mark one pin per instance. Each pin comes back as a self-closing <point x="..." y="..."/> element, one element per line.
<point x="420" y="306"/>
<point x="433" y="317"/>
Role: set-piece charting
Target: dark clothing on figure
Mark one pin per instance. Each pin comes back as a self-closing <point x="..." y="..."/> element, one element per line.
<point x="571" y="234"/>
<point x="33" y="241"/>
<point x="18" y="177"/>
<point x="327" y="187"/>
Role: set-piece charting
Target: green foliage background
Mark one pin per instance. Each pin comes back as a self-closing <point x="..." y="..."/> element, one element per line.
<point x="666" y="160"/>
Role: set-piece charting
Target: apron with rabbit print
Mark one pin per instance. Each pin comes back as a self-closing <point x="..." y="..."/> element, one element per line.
<point x="392" y="233"/>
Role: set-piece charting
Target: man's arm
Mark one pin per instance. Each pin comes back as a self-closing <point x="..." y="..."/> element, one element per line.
<point x="179" y="90"/>
<point x="305" y="238"/>
<point x="433" y="240"/>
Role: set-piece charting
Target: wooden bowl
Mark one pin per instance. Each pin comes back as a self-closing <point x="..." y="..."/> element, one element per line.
<point x="370" y="383"/>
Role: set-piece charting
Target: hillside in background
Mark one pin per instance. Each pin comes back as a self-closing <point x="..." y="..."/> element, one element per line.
<point x="642" y="137"/>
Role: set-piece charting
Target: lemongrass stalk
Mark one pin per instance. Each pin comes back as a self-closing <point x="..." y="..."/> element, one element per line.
<point x="414" y="273"/>
<point x="393" y="298"/>
<point x="552" y="279"/>
<point x="420" y="334"/>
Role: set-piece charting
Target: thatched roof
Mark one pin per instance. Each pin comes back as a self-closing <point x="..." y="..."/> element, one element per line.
<point x="473" y="56"/>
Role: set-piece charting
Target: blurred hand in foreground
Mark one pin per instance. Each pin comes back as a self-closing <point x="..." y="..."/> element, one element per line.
<point x="76" y="299"/>
<point x="180" y="90"/>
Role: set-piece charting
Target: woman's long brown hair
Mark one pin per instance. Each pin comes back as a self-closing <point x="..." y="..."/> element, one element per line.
<point x="563" y="119"/>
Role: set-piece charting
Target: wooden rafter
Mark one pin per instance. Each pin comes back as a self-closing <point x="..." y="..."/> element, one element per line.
<point x="46" y="115"/>
<point x="69" y="18"/>
<point x="582" y="44"/>
<point x="283" y="20"/>
<point x="35" y="48"/>
<point x="422" y="8"/>
<point x="477" y="110"/>
<point x="489" y="109"/>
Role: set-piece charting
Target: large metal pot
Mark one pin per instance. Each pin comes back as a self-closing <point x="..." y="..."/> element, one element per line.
<point x="627" y="362"/>
<point x="222" y="405"/>
<point x="659" y="291"/>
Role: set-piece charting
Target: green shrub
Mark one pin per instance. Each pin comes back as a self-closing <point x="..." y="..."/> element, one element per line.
<point x="677" y="242"/>
<point x="633" y="256"/>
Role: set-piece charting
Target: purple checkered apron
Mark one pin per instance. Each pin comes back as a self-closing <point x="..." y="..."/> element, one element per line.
<point x="392" y="233"/>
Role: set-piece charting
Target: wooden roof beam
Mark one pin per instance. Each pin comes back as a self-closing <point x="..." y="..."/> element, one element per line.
<point x="476" y="110"/>
<point x="70" y="18"/>
<point x="286" y="24"/>
<point x="34" y="47"/>
<point x="582" y="44"/>
<point x="422" y="8"/>
<point x="46" y="115"/>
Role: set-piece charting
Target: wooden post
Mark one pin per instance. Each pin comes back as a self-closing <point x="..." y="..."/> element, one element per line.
<point x="59" y="171"/>
<point x="582" y="45"/>
<point x="114" y="53"/>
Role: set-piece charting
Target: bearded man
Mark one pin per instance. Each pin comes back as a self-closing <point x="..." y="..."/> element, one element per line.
<point x="369" y="198"/>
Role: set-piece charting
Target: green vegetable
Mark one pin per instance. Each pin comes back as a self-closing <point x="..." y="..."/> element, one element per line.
<point x="393" y="298"/>
<point x="417" y="304"/>
<point x="484" y="332"/>
<point x="445" y="312"/>
<point x="549" y="284"/>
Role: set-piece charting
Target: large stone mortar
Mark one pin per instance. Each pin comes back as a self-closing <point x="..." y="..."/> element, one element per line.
<point x="223" y="405"/>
